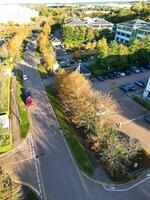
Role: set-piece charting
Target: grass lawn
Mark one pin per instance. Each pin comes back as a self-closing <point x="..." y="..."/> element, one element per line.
<point x="42" y="71"/>
<point x="5" y="140"/>
<point x="24" y="125"/>
<point x="73" y="140"/>
<point x="142" y="102"/>
<point x="4" y="92"/>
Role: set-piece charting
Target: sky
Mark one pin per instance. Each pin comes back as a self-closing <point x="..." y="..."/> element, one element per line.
<point x="58" y="1"/>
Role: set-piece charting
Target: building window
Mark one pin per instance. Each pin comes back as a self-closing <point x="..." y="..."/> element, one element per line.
<point x="118" y="32"/>
<point x="122" y="34"/>
<point x="117" y="38"/>
<point x="128" y="35"/>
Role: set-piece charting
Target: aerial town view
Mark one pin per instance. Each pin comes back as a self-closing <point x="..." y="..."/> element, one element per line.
<point x="75" y="100"/>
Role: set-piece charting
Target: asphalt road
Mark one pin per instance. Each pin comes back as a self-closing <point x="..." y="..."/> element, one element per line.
<point x="60" y="178"/>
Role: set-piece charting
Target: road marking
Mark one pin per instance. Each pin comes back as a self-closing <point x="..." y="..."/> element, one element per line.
<point x="133" y="119"/>
<point x="20" y="161"/>
<point x="113" y="189"/>
<point x="32" y="151"/>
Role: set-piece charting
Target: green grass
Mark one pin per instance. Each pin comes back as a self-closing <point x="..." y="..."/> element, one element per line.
<point x="24" y="121"/>
<point x="5" y="140"/>
<point x="142" y="102"/>
<point x="4" y="93"/>
<point x="42" y="71"/>
<point x="73" y="140"/>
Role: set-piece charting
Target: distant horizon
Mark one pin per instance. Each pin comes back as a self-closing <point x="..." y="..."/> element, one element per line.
<point x="66" y="1"/>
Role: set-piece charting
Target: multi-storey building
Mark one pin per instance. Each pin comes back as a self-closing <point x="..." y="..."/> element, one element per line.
<point x="95" y="23"/>
<point x="129" y="30"/>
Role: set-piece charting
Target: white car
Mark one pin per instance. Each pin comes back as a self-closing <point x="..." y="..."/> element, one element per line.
<point x="25" y="77"/>
<point x="122" y="74"/>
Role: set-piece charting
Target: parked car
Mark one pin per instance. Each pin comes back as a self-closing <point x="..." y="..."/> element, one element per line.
<point x="147" y="118"/>
<point x="124" y="87"/>
<point x="141" y="69"/>
<point x="135" y="69"/>
<point x="148" y="66"/>
<point x="122" y="74"/>
<point x="100" y="78"/>
<point x="117" y="74"/>
<point x="28" y="98"/>
<point x="111" y="76"/>
<point x="128" y="87"/>
<point x="105" y="76"/>
<point x="131" y="87"/>
<point x="127" y="72"/>
<point x="140" y="84"/>
<point x="25" y="77"/>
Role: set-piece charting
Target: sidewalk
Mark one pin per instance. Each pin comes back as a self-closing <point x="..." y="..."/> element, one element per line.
<point x="14" y="120"/>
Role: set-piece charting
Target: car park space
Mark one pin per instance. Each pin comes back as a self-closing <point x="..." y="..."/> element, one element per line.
<point x="131" y="112"/>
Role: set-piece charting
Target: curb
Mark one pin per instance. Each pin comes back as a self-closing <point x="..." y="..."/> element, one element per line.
<point x="84" y="173"/>
<point x="29" y="185"/>
<point x="16" y="149"/>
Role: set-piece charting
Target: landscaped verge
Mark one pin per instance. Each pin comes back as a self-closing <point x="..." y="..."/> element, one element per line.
<point x="24" y="121"/>
<point x="76" y="147"/>
<point x="5" y="134"/>
<point x="5" y="140"/>
<point x="42" y="71"/>
<point x="142" y="102"/>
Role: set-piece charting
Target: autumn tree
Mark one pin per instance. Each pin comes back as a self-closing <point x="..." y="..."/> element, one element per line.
<point x="8" y="189"/>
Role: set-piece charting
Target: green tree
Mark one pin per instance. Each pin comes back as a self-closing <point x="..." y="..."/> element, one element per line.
<point x="89" y="34"/>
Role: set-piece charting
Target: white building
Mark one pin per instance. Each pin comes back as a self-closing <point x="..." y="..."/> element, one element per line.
<point x="129" y="30"/>
<point x="95" y="23"/>
<point x="16" y="14"/>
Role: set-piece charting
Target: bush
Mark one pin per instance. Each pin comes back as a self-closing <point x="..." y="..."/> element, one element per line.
<point x="142" y="102"/>
<point x="42" y="71"/>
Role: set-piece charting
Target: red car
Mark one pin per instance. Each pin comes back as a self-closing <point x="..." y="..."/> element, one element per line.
<point x="29" y="101"/>
<point x="28" y="98"/>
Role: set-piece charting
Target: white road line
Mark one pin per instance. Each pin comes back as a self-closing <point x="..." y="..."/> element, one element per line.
<point x="133" y="119"/>
<point x="113" y="189"/>
<point x="32" y="148"/>
<point x="20" y="161"/>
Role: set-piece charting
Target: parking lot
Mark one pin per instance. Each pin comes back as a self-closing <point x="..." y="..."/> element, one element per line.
<point x="132" y="115"/>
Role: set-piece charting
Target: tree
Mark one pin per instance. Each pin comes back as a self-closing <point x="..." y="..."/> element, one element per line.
<point x="119" y="155"/>
<point x="89" y="34"/>
<point x="137" y="7"/>
<point x="8" y="189"/>
<point x="102" y="48"/>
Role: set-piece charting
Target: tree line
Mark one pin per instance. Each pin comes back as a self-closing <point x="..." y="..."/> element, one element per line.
<point x="138" y="10"/>
<point x="115" y="56"/>
<point x="77" y="35"/>
<point x="11" y="49"/>
<point x="93" y="111"/>
<point x="45" y="47"/>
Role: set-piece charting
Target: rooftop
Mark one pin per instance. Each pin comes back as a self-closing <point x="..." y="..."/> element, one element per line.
<point x="80" y="69"/>
<point x="137" y="23"/>
<point x="87" y="20"/>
